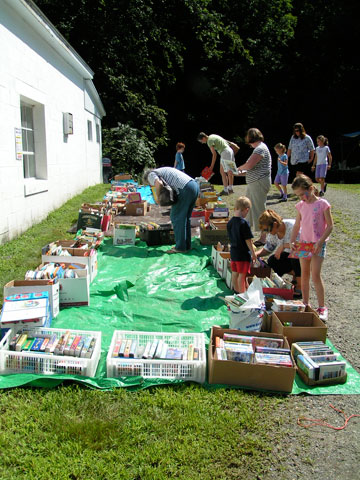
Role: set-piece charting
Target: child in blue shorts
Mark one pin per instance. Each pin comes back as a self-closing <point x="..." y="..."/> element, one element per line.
<point x="282" y="175"/>
<point x="322" y="162"/>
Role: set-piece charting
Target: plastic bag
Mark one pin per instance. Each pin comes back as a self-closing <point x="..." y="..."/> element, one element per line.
<point x="250" y="315"/>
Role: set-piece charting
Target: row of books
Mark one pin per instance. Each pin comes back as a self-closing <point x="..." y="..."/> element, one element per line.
<point x="280" y="305"/>
<point x="53" y="270"/>
<point x="95" y="239"/>
<point x="67" y="344"/>
<point x="155" y="349"/>
<point x="318" y="361"/>
<point x="252" y="349"/>
<point x="275" y="282"/>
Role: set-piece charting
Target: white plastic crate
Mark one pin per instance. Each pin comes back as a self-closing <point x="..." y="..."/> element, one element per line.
<point x="193" y="370"/>
<point x="47" y="363"/>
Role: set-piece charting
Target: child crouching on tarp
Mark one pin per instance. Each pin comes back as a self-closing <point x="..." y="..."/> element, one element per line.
<point x="241" y="246"/>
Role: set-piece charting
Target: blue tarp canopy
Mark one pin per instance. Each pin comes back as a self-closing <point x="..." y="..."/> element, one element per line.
<point x="351" y="135"/>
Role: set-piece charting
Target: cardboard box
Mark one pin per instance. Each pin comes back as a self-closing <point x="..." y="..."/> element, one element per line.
<point x="221" y="264"/>
<point x="78" y="255"/>
<point x="212" y="237"/>
<point x="285" y="293"/>
<point x="124" y="234"/>
<point x="136" y="209"/>
<point x="214" y="255"/>
<point x="201" y="202"/>
<point x="219" y="223"/>
<point x="26" y="310"/>
<point x="255" y="376"/>
<point x="35" y="286"/>
<point x="306" y="326"/>
<point x="74" y="292"/>
<point x="134" y="197"/>
<point x="122" y="176"/>
<point x="228" y="278"/>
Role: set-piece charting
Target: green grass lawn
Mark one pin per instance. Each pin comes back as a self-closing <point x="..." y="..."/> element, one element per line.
<point x="180" y="432"/>
<point x="71" y="432"/>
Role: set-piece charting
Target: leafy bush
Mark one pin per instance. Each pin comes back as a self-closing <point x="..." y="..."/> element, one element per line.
<point x="129" y="149"/>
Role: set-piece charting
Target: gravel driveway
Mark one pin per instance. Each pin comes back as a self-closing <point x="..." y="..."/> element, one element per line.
<point x="321" y="453"/>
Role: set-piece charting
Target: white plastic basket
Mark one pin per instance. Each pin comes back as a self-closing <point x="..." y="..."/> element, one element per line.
<point x="193" y="370"/>
<point x="47" y="363"/>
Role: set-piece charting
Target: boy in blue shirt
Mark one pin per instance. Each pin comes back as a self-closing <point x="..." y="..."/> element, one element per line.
<point x="179" y="159"/>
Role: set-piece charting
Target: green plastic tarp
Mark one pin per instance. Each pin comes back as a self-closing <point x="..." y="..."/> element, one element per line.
<point x="144" y="289"/>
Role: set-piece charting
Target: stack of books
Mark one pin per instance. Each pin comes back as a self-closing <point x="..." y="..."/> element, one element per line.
<point x="280" y="305"/>
<point x="318" y="361"/>
<point x="67" y="344"/>
<point x="253" y="349"/>
<point x="153" y="350"/>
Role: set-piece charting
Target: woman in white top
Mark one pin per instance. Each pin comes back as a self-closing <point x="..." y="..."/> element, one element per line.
<point x="278" y="246"/>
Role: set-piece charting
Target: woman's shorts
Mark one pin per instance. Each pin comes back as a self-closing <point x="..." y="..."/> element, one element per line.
<point x="240" y="267"/>
<point x="226" y="154"/>
<point x="321" y="171"/>
<point x="282" y="179"/>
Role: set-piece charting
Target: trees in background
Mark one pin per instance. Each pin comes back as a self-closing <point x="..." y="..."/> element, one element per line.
<point x="170" y="68"/>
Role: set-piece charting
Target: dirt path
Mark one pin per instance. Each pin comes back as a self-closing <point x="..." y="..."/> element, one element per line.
<point x="322" y="453"/>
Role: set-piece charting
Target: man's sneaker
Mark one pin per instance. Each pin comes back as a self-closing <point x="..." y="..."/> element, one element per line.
<point x="224" y="192"/>
<point x="323" y="313"/>
<point x="321" y="194"/>
<point x="325" y="187"/>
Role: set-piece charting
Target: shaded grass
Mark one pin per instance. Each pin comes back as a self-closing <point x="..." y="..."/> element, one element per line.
<point x="180" y="432"/>
<point x="24" y="252"/>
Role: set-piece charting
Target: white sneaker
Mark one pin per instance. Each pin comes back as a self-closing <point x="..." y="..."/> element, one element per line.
<point x="323" y="313"/>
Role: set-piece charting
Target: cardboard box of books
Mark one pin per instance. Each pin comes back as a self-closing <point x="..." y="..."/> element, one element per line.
<point x="122" y="176"/>
<point x="77" y="255"/>
<point x="26" y="309"/>
<point x="253" y="364"/>
<point x="221" y="264"/>
<point x="298" y="326"/>
<point x="271" y="287"/>
<point x="212" y="237"/>
<point x="74" y="292"/>
<point x="318" y="364"/>
<point x="136" y="209"/>
<point x="124" y="234"/>
<point x="16" y="287"/>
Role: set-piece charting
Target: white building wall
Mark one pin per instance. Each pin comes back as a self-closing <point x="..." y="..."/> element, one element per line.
<point x="32" y="70"/>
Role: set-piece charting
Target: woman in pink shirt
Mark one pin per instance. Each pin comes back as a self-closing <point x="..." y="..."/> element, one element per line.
<point x="316" y="223"/>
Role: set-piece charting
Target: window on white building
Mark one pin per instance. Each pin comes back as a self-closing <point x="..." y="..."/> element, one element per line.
<point x="97" y="133"/>
<point x="28" y="140"/>
<point x="33" y="139"/>
<point x="90" y="133"/>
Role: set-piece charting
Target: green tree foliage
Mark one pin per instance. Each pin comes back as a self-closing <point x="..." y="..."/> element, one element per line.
<point x="129" y="149"/>
<point x="170" y="68"/>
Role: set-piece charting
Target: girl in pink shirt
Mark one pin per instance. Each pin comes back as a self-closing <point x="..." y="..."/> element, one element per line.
<point x="315" y="221"/>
